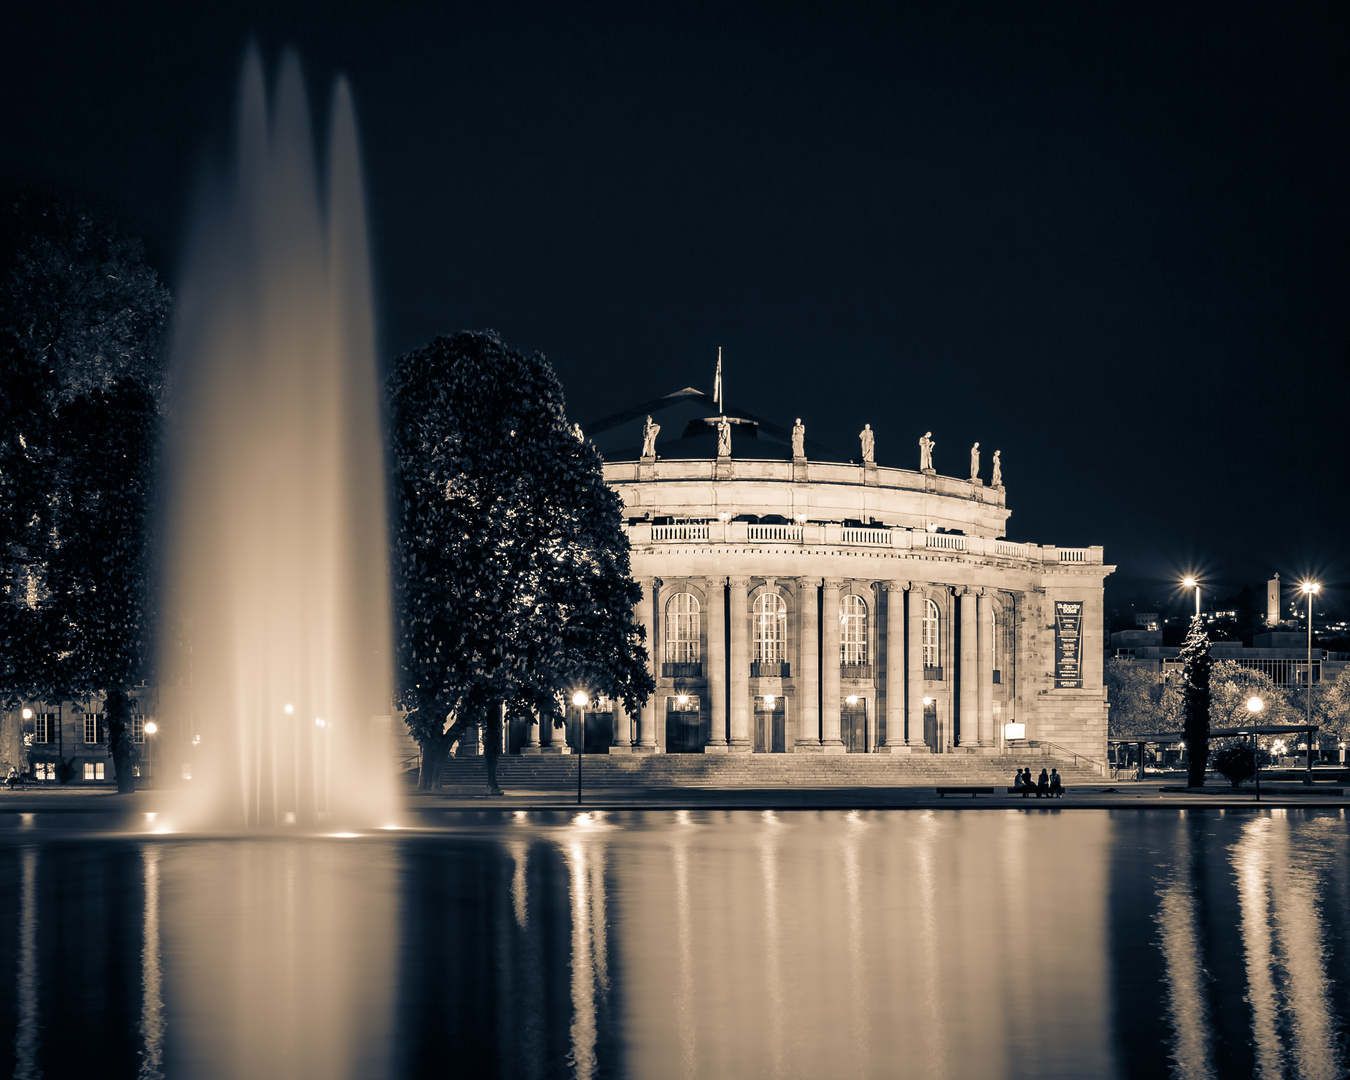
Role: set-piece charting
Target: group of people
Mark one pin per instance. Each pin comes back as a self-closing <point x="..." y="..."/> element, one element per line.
<point x="1047" y="784"/>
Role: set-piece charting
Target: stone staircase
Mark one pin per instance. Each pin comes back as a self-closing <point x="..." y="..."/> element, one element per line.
<point x="557" y="772"/>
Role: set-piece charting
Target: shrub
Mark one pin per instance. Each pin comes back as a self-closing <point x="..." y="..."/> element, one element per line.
<point x="1235" y="763"/>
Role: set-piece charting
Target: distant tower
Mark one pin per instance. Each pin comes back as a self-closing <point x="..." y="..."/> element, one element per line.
<point x="1273" y="601"/>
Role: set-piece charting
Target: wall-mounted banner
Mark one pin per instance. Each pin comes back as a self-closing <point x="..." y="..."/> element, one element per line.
<point x="1068" y="644"/>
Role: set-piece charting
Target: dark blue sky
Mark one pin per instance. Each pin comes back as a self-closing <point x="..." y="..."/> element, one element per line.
<point x="1109" y="240"/>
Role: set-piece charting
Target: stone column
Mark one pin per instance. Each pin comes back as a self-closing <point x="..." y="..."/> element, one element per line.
<point x="984" y="608"/>
<point x="621" y="730"/>
<point x="808" y="669"/>
<point x="740" y="663"/>
<point x="895" y="667"/>
<point x="717" y="668"/>
<point x="531" y="743"/>
<point x="647" y="616"/>
<point x="829" y="664"/>
<point x="914" y="661"/>
<point x="970" y="694"/>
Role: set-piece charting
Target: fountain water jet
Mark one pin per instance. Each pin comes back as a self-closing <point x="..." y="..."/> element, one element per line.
<point x="277" y="652"/>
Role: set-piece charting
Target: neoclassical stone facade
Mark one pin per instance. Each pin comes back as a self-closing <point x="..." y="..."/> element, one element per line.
<point x="821" y="608"/>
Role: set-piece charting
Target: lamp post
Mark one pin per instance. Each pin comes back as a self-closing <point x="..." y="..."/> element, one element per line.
<point x="1310" y="589"/>
<point x="1254" y="707"/>
<point x="580" y="699"/>
<point x="1192" y="583"/>
<point x="150" y="728"/>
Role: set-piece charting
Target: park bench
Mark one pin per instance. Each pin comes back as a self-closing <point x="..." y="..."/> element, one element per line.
<point x="1032" y="794"/>
<point x="971" y="791"/>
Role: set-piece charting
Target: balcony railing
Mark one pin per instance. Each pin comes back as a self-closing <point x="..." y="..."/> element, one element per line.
<point x="1010" y="550"/>
<point x="679" y="532"/>
<point x="867" y="536"/>
<point x="932" y="674"/>
<point x="682" y="670"/>
<point x="855" y="671"/>
<point x="788" y="534"/>
<point x="945" y="541"/>
<point x="770" y="669"/>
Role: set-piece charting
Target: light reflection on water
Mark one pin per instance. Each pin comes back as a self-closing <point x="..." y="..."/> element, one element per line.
<point x="698" y="944"/>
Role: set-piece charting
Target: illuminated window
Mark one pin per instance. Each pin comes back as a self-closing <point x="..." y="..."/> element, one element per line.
<point x="931" y="642"/>
<point x="853" y="629"/>
<point x="138" y="727"/>
<point x="770" y="628"/>
<point x="45" y="770"/>
<point x="682" y="629"/>
<point x="93" y="770"/>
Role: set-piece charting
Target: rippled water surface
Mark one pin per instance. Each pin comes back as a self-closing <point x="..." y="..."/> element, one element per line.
<point x="686" y="944"/>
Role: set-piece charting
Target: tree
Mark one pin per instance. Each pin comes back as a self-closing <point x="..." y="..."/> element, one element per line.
<point x="1231" y="686"/>
<point x="1195" y="670"/>
<point x="511" y="572"/>
<point x="1133" y="695"/>
<point x="82" y="324"/>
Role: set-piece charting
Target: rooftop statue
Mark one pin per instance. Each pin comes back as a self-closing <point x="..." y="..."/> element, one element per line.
<point x="649" y="432"/>
<point x="798" y="439"/>
<point x="974" y="463"/>
<point x="578" y="433"/>
<point x="926" y="445"/>
<point x="997" y="479"/>
<point x="869" y="444"/>
<point x="723" y="437"/>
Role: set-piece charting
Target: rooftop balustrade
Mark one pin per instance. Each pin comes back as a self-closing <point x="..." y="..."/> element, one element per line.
<point x="814" y="534"/>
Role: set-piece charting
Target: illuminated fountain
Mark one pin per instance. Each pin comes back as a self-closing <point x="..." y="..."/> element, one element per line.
<point x="276" y="656"/>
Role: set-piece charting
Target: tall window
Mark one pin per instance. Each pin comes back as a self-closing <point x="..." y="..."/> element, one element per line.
<point x="682" y="629"/>
<point x="853" y="629"/>
<point x="138" y="727"/>
<point x="931" y="650"/>
<point x="93" y="727"/>
<point x="44" y="727"/>
<point x="770" y="628"/>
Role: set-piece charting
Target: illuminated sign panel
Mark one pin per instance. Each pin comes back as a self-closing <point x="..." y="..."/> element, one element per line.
<point x="1068" y="644"/>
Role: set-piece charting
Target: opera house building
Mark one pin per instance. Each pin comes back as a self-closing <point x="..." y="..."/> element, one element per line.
<point x="796" y="603"/>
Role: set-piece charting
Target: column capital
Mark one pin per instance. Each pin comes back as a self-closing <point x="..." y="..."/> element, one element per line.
<point x="808" y="583"/>
<point x="896" y="586"/>
<point x="834" y="583"/>
<point x="738" y="582"/>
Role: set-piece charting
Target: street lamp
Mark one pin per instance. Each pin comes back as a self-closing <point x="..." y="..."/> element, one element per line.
<point x="150" y="728"/>
<point x="580" y="699"/>
<point x="1309" y="589"/>
<point x="1254" y="707"/>
<point x="1192" y="583"/>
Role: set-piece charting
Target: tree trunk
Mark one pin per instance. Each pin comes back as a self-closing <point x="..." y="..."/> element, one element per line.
<point x="434" y="750"/>
<point x="1197" y="755"/>
<point x="492" y="735"/>
<point x="117" y="711"/>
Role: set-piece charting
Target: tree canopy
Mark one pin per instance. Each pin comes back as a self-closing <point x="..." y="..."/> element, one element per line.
<point x="511" y="571"/>
<point x="82" y="325"/>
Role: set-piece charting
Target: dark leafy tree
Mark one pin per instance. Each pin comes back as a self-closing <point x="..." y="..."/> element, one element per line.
<point x="82" y="324"/>
<point x="1195" y="671"/>
<point x="511" y="572"/>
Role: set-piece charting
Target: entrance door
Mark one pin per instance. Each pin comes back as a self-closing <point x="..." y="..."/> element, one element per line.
<point x="930" y="727"/>
<point x="683" y="726"/>
<point x="770" y="735"/>
<point x="853" y="726"/>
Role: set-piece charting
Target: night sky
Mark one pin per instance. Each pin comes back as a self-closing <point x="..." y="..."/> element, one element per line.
<point x="1109" y="240"/>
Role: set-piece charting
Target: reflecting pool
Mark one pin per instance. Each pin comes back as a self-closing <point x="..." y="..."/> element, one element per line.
<point x="810" y="944"/>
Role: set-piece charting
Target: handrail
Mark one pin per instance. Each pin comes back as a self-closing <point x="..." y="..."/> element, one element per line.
<point x="1100" y="766"/>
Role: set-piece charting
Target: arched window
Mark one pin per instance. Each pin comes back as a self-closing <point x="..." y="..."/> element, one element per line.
<point x="931" y="642"/>
<point x="682" y="629"/>
<point x="770" y="628"/>
<point x="853" y="629"/>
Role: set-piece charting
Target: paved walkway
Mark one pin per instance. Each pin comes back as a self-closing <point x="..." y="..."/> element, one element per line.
<point x="1128" y="795"/>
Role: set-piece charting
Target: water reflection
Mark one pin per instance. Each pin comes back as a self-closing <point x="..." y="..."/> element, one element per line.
<point x="795" y="945"/>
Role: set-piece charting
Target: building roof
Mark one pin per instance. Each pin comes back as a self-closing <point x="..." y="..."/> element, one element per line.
<point x="688" y="420"/>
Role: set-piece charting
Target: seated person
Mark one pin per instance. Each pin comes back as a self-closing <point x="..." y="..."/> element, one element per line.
<point x="1043" y="784"/>
<point x="1056" y="785"/>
